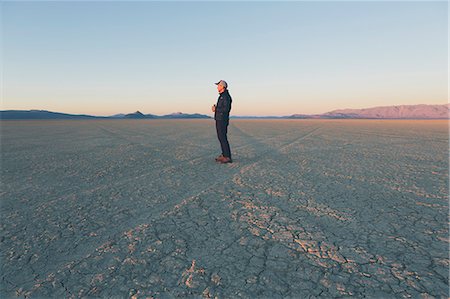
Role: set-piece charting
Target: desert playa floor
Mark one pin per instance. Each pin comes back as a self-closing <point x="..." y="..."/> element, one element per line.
<point x="309" y="208"/>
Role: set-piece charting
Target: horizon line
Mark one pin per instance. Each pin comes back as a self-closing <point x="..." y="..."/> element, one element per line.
<point x="234" y="115"/>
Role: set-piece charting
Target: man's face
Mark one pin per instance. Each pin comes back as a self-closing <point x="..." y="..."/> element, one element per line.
<point x="220" y="88"/>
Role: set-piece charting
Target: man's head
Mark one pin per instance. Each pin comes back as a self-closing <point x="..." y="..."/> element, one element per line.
<point x="221" y="86"/>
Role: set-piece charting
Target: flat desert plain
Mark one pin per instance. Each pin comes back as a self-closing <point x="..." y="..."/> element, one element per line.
<point x="140" y="209"/>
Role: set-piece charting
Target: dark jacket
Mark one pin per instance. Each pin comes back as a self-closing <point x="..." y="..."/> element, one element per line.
<point x="223" y="106"/>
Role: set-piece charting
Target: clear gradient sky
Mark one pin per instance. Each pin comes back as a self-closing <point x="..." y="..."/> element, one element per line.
<point x="103" y="58"/>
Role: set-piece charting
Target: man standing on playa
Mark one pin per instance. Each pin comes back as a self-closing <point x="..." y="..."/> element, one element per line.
<point x="222" y="116"/>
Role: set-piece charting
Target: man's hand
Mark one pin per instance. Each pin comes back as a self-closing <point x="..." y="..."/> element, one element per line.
<point x="213" y="108"/>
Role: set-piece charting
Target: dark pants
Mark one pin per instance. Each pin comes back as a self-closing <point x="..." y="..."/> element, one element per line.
<point x="222" y="128"/>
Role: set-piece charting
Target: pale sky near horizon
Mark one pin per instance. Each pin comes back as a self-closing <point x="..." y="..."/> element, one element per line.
<point x="279" y="58"/>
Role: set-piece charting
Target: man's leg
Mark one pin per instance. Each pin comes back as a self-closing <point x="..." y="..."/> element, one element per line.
<point x="219" y="133"/>
<point x="222" y="128"/>
<point x="227" y="144"/>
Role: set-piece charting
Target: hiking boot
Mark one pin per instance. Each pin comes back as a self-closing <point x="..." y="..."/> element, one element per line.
<point x="224" y="160"/>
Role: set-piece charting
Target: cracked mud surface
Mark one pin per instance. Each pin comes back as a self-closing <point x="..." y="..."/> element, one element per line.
<point x="309" y="208"/>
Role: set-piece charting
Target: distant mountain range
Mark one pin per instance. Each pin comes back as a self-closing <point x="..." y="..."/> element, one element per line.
<point x="388" y="112"/>
<point x="385" y="112"/>
<point x="43" y="114"/>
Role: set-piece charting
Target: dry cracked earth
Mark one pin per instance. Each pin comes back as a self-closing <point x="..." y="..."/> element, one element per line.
<point x="308" y="209"/>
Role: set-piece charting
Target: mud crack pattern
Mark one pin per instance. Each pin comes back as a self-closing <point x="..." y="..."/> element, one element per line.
<point x="308" y="209"/>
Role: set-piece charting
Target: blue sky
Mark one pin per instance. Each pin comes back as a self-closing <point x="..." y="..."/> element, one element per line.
<point x="279" y="58"/>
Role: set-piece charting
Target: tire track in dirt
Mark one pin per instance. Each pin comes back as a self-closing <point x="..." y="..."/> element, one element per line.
<point x="172" y="167"/>
<point x="245" y="167"/>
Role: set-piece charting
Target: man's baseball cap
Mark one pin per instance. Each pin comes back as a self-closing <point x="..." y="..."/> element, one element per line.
<point x="223" y="83"/>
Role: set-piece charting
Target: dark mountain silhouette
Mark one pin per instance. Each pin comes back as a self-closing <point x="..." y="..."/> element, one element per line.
<point x="120" y="115"/>
<point x="256" y="117"/>
<point x="42" y="114"/>
<point x="151" y="116"/>
<point x="136" y="114"/>
<point x="139" y="115"/>
<point x="184" y="115"/>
